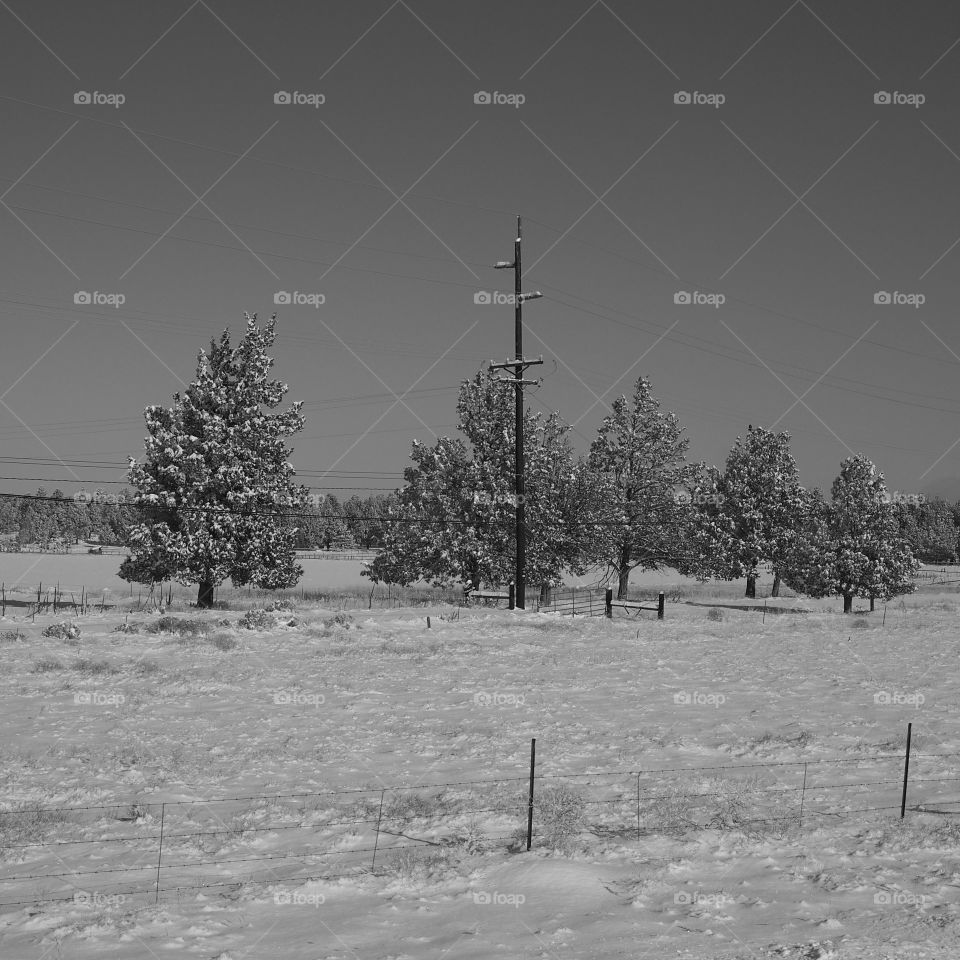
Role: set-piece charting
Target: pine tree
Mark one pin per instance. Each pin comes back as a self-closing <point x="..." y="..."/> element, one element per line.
<point x="853" y="546"/>
<point x="746" y="512"/>
<point x="216" y="480"/>
<point x="639" y="460"/>
<point x="454" y="520"/>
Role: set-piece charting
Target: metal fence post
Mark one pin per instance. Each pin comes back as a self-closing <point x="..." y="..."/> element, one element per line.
<point x="533" y="759"/>
<point x="163" y="810"/>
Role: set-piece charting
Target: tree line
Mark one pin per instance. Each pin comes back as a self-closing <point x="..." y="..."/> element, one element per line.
<point x="57" y="519"/>
<point x="215" y="497"/>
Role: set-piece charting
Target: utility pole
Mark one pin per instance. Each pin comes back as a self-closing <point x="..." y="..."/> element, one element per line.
<point x="518" y="365"/>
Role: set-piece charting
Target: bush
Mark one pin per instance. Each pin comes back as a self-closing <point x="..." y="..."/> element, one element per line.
<point x="715" y="614"/>
<point x="341" y="620"/>
<point x="179" y="625"/>
<point x="256" y="619"/>
<point x="283" y="604"/>
<point x="126" y="628"/>
<point x="224" y="641"/>
<point x="860" y="624"/>
<point x="558" y="815"/>
<point x="46" y="664"/>
<point x="13" y="636"/>
<point x="62" y="631"/>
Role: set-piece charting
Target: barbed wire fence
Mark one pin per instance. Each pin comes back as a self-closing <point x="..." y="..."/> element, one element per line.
<point x="153" y="850"/>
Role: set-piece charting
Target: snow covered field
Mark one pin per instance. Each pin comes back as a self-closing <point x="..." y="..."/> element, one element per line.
<point x="707" y="863"/>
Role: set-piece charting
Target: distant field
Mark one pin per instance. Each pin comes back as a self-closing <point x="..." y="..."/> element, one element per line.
<point x="98" y="574"/>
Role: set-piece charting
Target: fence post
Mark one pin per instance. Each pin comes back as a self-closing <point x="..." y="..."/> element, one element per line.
<point x="803" y="793"/>
<point x="512" y="599"/>
<point x="638" y="804"/>
<point x="163" y="810"/>
<point x="533" y="758"/>
<point x="608" y="602"/>
<point x="906" y="772"/>
<point x="376" y="839"/>
<point x="660" y="606"/>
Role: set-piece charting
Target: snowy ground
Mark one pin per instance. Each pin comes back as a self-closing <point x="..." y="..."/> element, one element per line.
<point x="384" y="706"/>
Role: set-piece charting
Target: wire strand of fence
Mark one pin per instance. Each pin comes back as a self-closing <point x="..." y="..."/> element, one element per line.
<point x="626" y="772"/>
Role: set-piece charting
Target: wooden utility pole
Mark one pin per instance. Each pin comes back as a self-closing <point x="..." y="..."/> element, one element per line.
<point x="518" y="365"/>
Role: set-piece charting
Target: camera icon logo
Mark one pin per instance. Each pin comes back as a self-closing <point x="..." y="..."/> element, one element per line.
<point x="882" y="297"/>
<point x="482" y="97"/>
<point x="682" y="297"/>
<point x="282" y="297"/>
<point x="882" y="97"/>
<point x="282" y="96"/>
<point x="82" y="96"/>
<point x="482" y="297"/>
<point x="682" y="96"/>
<point x="83" y="298"/>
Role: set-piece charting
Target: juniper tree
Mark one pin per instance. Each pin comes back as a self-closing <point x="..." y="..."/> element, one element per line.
<point x="215" y="490"/>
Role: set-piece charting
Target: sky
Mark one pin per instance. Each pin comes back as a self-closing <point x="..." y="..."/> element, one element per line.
<point x="754" y="204"/>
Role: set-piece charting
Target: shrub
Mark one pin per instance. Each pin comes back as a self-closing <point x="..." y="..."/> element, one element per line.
<point x="256" y="619"/>
<point x="46" y="664"/>
<point x="181" y="626"/>
<point x="13" y="636"/>
<point x="224" y="641"/>
<point x="127" y="627"/>
<point x="95" y="667"/>
<point x="715" y="614"/>
<point x="558" y="815"/>
<point x="860" y="624"/>
<point x="283" y="604"/>
<point x="62" y="631"/>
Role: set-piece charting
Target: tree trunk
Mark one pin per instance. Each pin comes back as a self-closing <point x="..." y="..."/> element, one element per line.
<point x="775" y="592"/>
<point x="205" y="595"/>
<point x="871" y="604"/>
<point x="623" y="571"/>
<point x="545" y="594"/>
<point x="751" y="588"/>
<point x="848" y="603"/>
